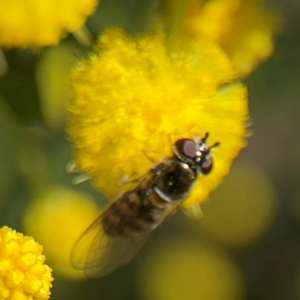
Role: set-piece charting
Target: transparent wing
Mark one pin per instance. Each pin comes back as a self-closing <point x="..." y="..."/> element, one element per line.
<point x="99" y="254"/>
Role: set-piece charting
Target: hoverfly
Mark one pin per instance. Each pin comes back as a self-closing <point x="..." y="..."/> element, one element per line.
<point x="121" y="230"/>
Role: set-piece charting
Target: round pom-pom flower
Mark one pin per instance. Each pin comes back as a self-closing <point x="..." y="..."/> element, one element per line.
<point x="132" y="98"/>
<point x="23" y="274"/>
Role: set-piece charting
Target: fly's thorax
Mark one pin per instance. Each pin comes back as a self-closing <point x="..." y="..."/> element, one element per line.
<point x="175" y="180"/>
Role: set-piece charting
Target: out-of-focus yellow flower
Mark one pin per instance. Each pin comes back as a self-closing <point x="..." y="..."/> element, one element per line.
<point x="132" y="96"/>
<point x="248" y="200"/>
<point x="57" y="219"/>
<point x="41" y="23"/>
<point x="52" y="76"/>
<point x="184" y="269"/>
<point x="245" y="29"/>
<point x="23" y="274"/>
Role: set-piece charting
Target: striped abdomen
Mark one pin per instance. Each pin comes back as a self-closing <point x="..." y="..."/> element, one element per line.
<point x="133" y="214"/>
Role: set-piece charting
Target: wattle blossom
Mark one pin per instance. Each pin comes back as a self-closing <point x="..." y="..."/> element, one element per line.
<point x="132" y="98"/>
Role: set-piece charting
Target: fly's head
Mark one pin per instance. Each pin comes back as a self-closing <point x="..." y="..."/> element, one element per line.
<point x="195" y="153"/>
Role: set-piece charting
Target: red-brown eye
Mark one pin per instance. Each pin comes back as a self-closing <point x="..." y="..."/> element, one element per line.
<point x="186" y="147"/>
<point x="206" y="166"/>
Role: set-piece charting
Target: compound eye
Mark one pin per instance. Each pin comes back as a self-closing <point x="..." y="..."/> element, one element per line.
<point x="206" y="166"/>
<point x="186" y="147"/>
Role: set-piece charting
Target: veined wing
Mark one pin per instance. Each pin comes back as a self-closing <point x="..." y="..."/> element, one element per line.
<point x="99" y="254"/>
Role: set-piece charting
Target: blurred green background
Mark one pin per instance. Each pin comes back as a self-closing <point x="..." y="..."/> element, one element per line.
<point x="247" y="245"/>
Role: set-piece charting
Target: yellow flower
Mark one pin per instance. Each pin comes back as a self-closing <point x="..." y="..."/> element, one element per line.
<point x="245" y="29"/>
<point x="208" y="273"/>
<point x="41" y="23"/>
<point x="52" y="74"/>
<point x="23" y="274"/>
<point x="62" y="215"/>
<point x="234" y="200"/>
<point x="131" y="96"/>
